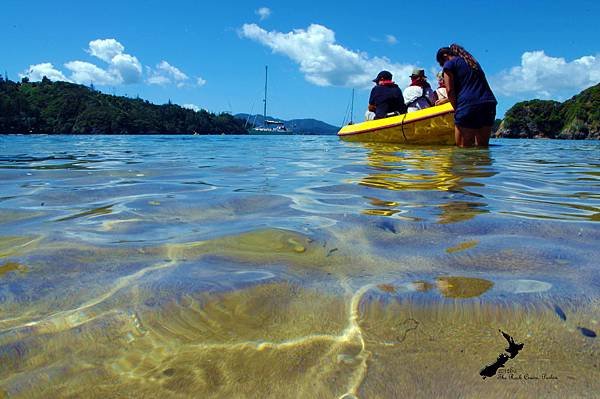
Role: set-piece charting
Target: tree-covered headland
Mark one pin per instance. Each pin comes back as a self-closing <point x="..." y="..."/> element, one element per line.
<point x="67" y="108"/>
<point x="577" y="118"/>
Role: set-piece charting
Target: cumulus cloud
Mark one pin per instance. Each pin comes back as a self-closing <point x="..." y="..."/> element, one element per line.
<point x="156" y="79"/>
<point x="85" y="73"/>
<point x="263" y="13"/>
<point x="193" y="107"/>
<point x="173" y="71"/>
<point x="165" y="73"/>
<point x="38" y="71"/>
<point x="200" y="82"/>
<point x="126" y="67"/>
<point x="121" y="68"/>
<point x="547" y="76"/>
<point x="323" y="61"/>
<point x="105" y="49"/>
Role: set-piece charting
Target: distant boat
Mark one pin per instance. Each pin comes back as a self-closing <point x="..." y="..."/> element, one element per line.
<point x="269" y="127"/>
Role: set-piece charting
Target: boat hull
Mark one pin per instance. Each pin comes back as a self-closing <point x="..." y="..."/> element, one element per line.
<point x="432" y="126"/>
<point x="254" y="132"/>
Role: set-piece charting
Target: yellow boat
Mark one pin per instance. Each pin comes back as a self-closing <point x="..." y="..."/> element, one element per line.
<point x="434" y="125"/>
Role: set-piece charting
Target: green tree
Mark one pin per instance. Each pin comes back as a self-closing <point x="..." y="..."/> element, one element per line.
<point x="62" y="107"/>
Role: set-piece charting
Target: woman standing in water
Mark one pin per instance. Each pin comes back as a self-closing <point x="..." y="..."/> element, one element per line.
<point x="470" y="94"/>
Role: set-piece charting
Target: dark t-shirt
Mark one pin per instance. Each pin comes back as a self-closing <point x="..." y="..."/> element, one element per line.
<point x="387" y="98"/>
<point x="470" y="85"/>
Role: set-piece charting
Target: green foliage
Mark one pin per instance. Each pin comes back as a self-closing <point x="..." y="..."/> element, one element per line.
<point x="61" y="107"/>
<point x="534" y="118"/>
<point x="577" y="118"/>
<point x="582" y="112"/>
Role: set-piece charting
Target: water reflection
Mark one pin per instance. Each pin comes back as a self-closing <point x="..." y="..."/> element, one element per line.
<point x="396" y="167"/>
<point x="413" y="169"/>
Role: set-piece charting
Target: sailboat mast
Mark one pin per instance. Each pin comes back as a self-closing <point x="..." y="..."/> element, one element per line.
<point x="352" y="108"/>
<point x="265" y="99"/>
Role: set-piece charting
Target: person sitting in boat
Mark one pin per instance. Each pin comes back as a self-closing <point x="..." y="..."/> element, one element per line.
<point x="441" y="94"/>
<point x="419" y="94"/>
<point x="385" y="99"/>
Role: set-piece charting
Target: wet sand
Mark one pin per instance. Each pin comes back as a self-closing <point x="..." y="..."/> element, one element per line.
<point x="275" y="333"/>
<point x="313" y="270"/>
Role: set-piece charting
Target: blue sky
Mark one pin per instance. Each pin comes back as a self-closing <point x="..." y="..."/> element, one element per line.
<point x="212" y="54"/>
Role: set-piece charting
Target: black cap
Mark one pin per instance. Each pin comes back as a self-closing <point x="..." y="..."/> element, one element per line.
<point x="383" y="75"/>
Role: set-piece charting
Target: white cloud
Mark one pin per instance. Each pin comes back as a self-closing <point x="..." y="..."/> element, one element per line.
<point x="126" y="67"/>
<point x="547" y="76"/>
<point x="85" y="73"/>
<point x="38" y="71"/>
<point x="323" y="61"/>
<point x="158" y="80"/>
<point x="391" y="39"/>
<point x="123" y="67"/>
<point x="105" y="49"/>
<point x="193" y="107"/>
<point x="120" y="68"/>
<point x="173" y="71"/>
<point x="263" y="13"/>
<point x="165" y="73"/>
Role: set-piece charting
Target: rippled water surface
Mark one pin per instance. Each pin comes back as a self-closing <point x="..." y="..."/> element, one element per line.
<point x="296" y="267"/>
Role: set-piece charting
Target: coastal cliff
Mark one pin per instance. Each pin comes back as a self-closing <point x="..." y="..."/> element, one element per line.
<point x="577" y="118"/>
<point x="67" y="108"/>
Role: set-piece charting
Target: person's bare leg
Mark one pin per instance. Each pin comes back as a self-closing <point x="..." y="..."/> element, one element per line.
<point x="464" y="136"/>
<point x="482" y="137"/>
<point x="457" y="136"/>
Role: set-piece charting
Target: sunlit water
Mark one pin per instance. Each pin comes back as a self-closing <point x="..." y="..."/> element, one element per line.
<point x="300" y="267"/>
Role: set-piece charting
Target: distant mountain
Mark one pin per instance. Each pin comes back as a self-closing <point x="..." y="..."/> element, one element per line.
<point x="577" y="118"/>
<point x="61" y="107"/>
<point x="299" y="126"/>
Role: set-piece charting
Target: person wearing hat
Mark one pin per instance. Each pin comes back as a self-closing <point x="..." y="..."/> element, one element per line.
<point x="385" y="99"/>
<point x="419" y="94"/>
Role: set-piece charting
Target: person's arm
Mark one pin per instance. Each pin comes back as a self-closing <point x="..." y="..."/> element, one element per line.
<point x="373" y="99"/>
<point x="442" y="97"/>
<point x="449" y="83"/>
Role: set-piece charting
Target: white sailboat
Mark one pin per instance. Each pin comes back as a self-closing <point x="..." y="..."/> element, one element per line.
<point x="269" y="127"/>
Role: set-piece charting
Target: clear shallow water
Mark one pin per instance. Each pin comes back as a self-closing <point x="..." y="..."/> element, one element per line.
<point x="222" y="266"/>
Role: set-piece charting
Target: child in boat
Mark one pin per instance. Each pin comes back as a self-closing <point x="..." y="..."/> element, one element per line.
<point x="441" y="95"/>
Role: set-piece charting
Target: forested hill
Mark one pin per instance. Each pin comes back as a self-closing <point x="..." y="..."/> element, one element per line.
<point x="577" y="118"/>
<point x="61" y="107"/>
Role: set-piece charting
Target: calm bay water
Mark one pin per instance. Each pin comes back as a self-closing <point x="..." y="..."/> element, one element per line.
<point x="233" y="266"/>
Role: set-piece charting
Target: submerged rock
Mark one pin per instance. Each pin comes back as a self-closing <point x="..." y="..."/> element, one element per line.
<point x="462" y="287"/>
<point x="560" y="313"/>
<point x="587" y="332"/>
<point x="12" y="266"/>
